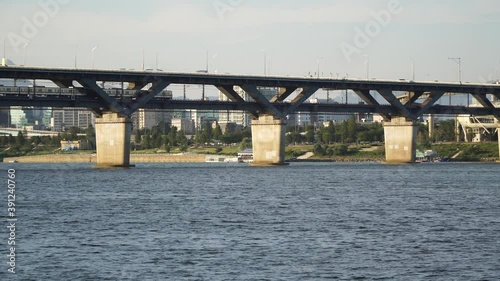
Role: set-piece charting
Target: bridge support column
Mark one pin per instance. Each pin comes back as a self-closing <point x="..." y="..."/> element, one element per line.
<point x="113" y="140"/>
<point x="268" y="140"/>
<point x="400" y="141"/>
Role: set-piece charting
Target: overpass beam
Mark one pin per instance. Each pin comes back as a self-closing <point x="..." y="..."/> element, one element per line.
<point x="370" y="100"/>
<point x="283" y="94"/>
<point x="268" y="141"/>
<point x="302" y="97"/>
<point x="113" y="132"/>
<point x="400" y="140"/>
<point x="233" y="96"/>
<point x="413" y="98"/>
<point x="388" y="95"/>
<point x="253" y="92"/>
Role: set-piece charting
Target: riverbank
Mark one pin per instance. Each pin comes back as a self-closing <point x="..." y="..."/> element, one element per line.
<point x="340" y="160"/>
<point x="194" y="158"/>
<point x="92" y="158"/>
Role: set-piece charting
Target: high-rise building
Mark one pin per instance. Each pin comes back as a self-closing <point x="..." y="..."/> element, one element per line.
<point x="186" y="125"/>
<point x="147" y="119"/>
<point x="21" y="117"/>
<point x="63" y="119"/>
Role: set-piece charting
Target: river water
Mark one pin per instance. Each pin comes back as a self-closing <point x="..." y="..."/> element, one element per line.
<point x="320" y="221"/>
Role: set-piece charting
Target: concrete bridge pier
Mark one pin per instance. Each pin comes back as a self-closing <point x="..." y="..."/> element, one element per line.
<point x="268" y="141"/>
<point x="400" y="140"/>
<point x="113" y="140"/>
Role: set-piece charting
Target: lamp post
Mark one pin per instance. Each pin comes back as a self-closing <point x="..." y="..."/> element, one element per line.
<point x="93" y="55"/>
<point x="319" y="63"/>
<point x="157" y="60"/>
<point x="24" y="47"/>
<point x="459" y="62"/>
<point x="265" y="61"/>
<point x="76" y="54"/>
<point x="4" y="58"/>
<point x="214" y="57"/>
<point x="413" y="73"/>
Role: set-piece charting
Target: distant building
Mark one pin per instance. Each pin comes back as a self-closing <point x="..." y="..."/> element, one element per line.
<point x="186" y="125"/>
<point x="317" y="118"/>
<point x="229" y="127"/>
<point x="200" y="118"/>
<point x="21" y="117"/>
<point x="147" y="119"/>
<point x="4" y="118"/>
<point x="66" y="118"/>
<point x="478" y="128"/>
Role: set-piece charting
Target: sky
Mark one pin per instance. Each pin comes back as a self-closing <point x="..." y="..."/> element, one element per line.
<point x="385" y="39"/>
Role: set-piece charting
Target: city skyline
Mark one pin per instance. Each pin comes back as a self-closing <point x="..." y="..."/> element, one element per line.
<point x="380" y="39"/>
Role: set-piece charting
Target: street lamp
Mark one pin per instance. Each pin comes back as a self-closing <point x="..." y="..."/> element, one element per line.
<point x="319" y="62"/>
<point x="4" y="58"/>
<point x="214" y="63"/>
<point x="413" y="73"/>
<point x="459" y="62"/>
<point x="156" y="61"/>
<point x="24" y="47"/>
<point x="76" y="54"/>
<point x="265" y="61"/>
<point x="93" y="56"/>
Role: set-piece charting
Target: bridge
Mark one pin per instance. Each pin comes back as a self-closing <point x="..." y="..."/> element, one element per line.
<point x="113" y="111"/>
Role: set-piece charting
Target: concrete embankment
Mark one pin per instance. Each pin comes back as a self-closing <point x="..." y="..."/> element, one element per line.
<point x="92" y="158"/>
<point x="342" y="160"/>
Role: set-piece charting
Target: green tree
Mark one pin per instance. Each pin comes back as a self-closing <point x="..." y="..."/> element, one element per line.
<point x="90" y="137"/>
<point x="20" y="140"/>
<point x="343" y="131"/>
<point x="331" y="131"/>
<point x="146" y="142"/>
<point x="445" y="130"/>
<point x="217" y="133"/>
<point x="138" y="137"/>
<point x="340" y="150"/>
<point x="181" y="138"/>
<point x="364" y="136"/>
<point x="352" y="128"/>
<point x="310" y="134"/>
<point x="246" y="143"/>
<point x="36" y="140"/>
<point x="172" y="137"/>
<point x="319" y="150"/>
<point x="207" y="132"/>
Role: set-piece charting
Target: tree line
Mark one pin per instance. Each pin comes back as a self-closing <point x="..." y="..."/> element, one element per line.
<point x="21" y="144"/>
<point x="164" y="136"/>
<point x="346" y="132"/>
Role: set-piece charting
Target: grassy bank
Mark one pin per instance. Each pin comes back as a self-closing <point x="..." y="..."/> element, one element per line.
<point x="467" y="151"/>
<point x="461" y="151"/>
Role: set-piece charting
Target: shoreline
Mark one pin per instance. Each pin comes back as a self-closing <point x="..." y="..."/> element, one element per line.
<point x="195" y="158"/>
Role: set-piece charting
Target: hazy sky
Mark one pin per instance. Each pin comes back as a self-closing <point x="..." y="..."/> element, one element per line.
<point x="238" y="34"/>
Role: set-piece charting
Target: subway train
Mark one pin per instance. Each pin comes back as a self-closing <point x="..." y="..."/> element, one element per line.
<point x="44" y="91"/>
